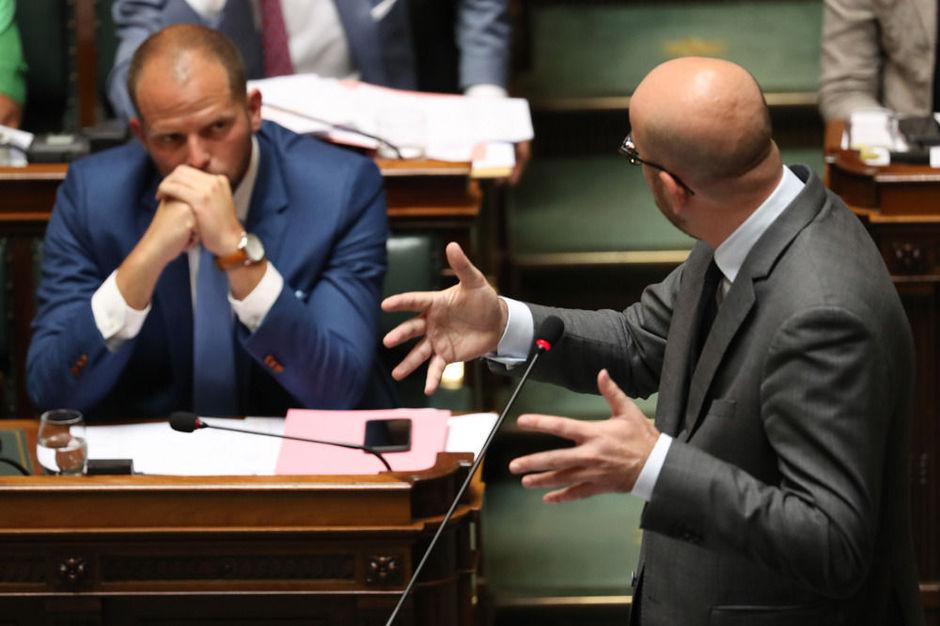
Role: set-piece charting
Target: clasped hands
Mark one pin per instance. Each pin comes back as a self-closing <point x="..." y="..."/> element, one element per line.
<point x="465" y="322"/>
<point x="195" y="207"/>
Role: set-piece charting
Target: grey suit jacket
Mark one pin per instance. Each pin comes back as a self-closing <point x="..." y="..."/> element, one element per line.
<point x="381" y="50"/>
<point x="878" y="53"/>
<point x="784" y="498"/>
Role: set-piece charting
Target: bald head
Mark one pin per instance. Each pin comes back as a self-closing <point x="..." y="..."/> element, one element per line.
<point x="705" y="119"/>
<point x="176" y="51"/>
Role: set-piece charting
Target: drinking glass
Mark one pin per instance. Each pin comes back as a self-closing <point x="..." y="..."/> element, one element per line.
<point x="61" y="447"/>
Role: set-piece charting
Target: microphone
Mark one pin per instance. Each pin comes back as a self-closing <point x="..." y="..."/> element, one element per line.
<point x="550" y="331"/>
<point x="186" y="422"/>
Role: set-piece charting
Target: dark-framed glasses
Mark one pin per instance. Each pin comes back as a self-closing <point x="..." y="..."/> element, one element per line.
<point x="628" y="149"/>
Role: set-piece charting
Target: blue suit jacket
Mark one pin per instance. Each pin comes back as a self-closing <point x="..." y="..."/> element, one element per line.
<point x="381" y="50"/>
<point x="320" y="212"/>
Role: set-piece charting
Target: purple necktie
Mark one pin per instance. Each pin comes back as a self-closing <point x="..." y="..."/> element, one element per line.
<point x="274" y="40"/>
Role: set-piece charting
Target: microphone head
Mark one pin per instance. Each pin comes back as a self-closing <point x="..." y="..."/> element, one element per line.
<point x="185" y="422"/>
<point x="549" y="332"/>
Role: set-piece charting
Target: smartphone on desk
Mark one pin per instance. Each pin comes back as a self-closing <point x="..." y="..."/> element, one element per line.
<point x="388" y="435"/>
<point x="920" y="132"/>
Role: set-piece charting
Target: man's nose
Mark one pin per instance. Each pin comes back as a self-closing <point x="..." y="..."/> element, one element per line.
<point x="198" y="156"/>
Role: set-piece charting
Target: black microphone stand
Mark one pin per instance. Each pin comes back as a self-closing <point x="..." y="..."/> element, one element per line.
<point x="542" y="347"/>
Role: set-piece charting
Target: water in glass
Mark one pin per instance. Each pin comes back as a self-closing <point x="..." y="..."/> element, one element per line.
<point x="61" y="447"/>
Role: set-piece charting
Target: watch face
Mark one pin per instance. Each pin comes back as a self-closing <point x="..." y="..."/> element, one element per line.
<point x="254" y="249"/>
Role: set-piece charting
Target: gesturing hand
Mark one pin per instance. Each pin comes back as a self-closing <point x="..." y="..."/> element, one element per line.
<point x="607" y="456"/>
<point x="457" y="324"/>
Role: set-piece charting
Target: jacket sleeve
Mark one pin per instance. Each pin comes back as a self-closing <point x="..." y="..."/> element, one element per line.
<point x="630" y="344"/>
<point x="12" y="67"/>
<point x="68" y="364"/>
<point x="826" y="394"/>
<point x="326" y="340"/>
<point x="134" y="20"/>
<point x="482" y="33"/>
<point x="851" y="59"/>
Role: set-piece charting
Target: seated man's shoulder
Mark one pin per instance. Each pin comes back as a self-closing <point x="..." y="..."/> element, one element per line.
<point x="128" y="160"/>
<point x="301" y="149"/>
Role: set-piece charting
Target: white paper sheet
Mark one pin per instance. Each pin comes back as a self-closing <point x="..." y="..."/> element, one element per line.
<point x="14" y="137"/>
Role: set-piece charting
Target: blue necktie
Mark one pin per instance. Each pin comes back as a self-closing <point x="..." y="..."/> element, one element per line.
<point x="214" y="384"/>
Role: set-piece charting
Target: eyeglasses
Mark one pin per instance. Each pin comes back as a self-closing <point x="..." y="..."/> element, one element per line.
<point x="628" y="149"/>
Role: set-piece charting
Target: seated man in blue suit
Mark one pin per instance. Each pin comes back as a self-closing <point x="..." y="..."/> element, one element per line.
<point x="220" y="264"/>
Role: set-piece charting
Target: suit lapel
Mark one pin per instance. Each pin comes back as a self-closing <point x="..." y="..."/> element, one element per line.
<point x="732" y="313"/>
<point x="741" y="298"/>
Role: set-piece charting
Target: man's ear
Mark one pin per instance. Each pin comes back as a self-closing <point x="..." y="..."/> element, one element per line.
<point x="254" y="109"/>
<point x="678" y="195"/>
<point x="136" y="128"/>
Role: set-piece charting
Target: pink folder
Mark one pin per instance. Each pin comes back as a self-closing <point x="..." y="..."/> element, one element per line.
<point x="428" y="436"/>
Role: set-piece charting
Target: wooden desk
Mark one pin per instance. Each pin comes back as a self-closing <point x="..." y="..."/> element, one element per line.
<point x="900" y="205"/>
<point x="128" y="550"/>
<point x="422" y="196"/>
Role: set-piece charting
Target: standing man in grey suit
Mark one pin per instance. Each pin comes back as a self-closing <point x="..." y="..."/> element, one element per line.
<point x="776" y="475"/>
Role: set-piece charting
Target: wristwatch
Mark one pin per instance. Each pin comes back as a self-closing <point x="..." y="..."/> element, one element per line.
<point x="249" y="251"/>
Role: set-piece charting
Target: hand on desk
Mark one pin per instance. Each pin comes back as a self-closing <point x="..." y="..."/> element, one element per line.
<point x="607" y="457"/>
<point x="11" y="112"/>
<point x="523" y="155"/>
<point x="460" y="323"/>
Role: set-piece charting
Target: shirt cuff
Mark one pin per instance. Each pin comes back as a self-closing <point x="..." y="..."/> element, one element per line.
<point x="486" y="91"/>
<point x="646" y="481"/>
<point x="255" y="306"/>
<point x="513" y="347"/>
<point x="116" y="320"/>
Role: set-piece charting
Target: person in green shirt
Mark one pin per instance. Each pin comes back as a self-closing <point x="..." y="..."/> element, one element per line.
<point x="12" y="68"/>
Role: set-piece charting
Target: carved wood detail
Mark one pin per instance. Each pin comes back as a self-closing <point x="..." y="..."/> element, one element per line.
<point x="384" y="570"/>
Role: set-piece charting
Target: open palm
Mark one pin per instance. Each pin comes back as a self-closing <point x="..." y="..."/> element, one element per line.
<point x="460" y="323"/>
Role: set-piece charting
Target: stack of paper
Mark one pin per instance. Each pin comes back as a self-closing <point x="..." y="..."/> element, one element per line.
<point x="444" y="127"/>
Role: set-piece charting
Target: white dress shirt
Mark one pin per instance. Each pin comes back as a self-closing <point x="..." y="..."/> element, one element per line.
<point x="118" y="322"/>
<point x="729" y="257"/>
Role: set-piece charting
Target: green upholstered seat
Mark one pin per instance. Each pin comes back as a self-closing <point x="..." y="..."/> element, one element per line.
<point x="584" y="50"/>
<point x="412" y="266"/>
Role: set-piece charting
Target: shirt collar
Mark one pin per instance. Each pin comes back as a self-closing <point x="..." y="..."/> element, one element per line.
<point x="730" y="255"/>
<point x="242" y="195"/>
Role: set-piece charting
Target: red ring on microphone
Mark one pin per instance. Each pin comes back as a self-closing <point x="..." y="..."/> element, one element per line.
<point x="544" y="345"/>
